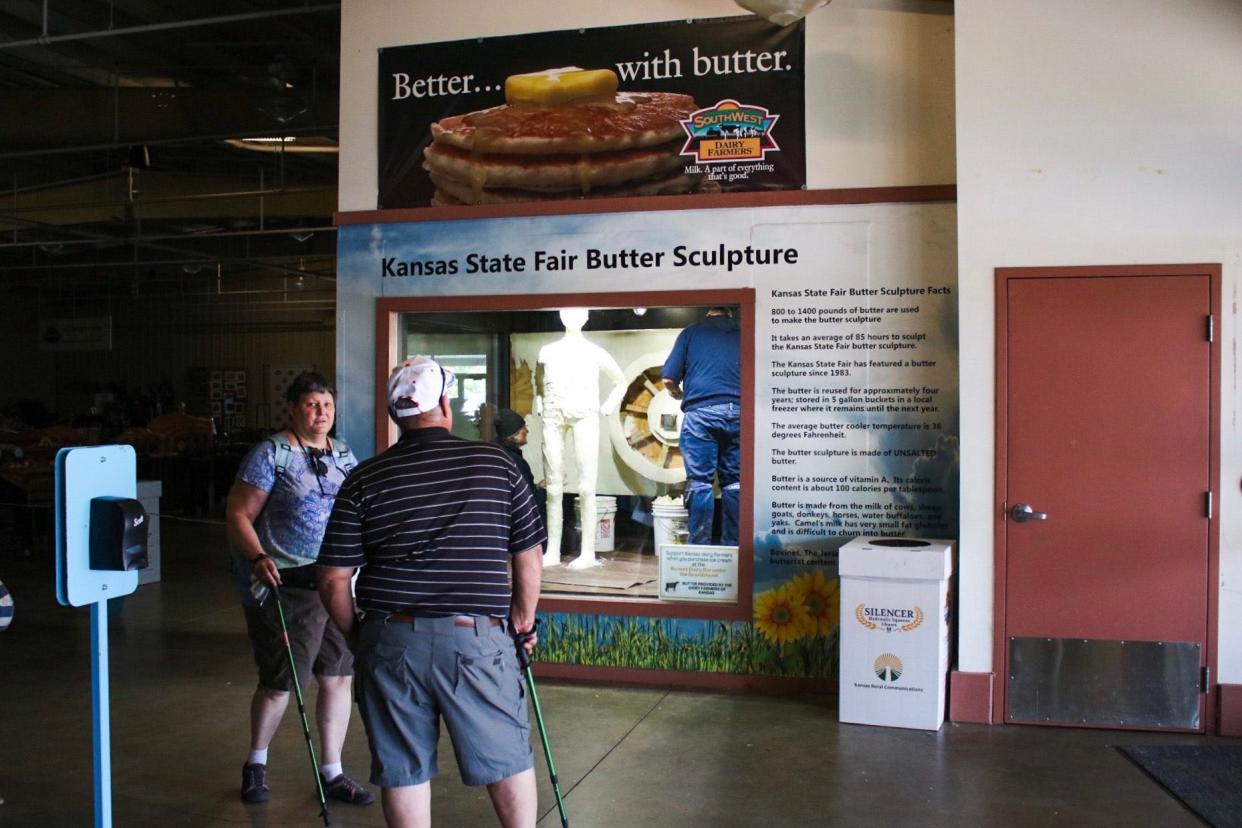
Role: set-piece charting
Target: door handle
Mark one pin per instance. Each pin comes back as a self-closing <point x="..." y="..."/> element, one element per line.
<point x="1022" y="512"/>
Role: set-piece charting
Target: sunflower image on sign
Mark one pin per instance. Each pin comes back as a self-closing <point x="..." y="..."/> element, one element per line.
<point x="794" y="631"/>
<point x="796" y="626"/>
<point x="888" y="667"/>
<point x="781" y="615"/>
<point x="822" y="599"/>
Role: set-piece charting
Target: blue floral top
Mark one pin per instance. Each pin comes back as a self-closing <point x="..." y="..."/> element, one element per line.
<point x="293" y="520"/>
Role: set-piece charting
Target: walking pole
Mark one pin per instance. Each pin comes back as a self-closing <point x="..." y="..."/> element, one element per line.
<point x="297" y="689"/>
<point x="524" y="664"/>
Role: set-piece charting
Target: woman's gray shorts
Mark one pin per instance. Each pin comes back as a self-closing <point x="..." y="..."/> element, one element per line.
<point x="464" y="668"/>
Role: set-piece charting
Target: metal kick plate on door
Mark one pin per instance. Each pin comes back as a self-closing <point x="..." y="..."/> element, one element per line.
<point x="1144" y="684"/>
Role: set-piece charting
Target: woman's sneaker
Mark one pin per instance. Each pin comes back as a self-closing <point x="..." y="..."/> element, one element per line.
<point x="344" y="789"/>
<point x="254" y="783"/>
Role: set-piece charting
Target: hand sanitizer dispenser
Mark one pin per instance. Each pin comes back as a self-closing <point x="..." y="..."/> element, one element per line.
<point x="118" y="535"/>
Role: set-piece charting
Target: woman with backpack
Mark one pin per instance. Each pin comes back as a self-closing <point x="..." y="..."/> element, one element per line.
<point x="275" y="517"/>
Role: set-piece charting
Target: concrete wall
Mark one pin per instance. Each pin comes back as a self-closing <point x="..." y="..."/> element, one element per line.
<point x="1093" y="132"/>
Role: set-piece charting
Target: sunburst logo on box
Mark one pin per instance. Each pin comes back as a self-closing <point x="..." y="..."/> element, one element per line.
<point x="888" y="667"/>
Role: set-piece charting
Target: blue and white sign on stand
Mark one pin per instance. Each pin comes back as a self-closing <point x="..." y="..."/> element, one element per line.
<point x="81" y="475"/>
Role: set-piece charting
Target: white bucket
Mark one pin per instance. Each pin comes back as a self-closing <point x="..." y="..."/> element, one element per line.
<point x="605" y="522"/>
<point x="672" y="521"/>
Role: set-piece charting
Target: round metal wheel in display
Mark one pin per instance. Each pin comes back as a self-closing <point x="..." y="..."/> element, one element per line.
<point x="645" y="430"/>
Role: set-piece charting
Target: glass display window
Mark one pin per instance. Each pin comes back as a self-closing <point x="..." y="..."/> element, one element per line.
<point x="575" y="388"/>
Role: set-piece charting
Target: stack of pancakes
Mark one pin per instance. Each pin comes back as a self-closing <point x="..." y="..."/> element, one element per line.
<point x="626" y="144"/>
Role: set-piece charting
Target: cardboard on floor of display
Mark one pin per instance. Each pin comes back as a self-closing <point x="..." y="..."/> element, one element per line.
<point x="622" y="573"/>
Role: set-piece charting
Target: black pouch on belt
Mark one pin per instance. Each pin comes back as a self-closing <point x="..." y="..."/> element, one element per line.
<point x="299" y="577"/>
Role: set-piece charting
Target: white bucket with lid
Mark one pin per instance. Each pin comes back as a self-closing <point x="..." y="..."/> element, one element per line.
<point x="672" y="521"/>
<point x="605" y="522"/>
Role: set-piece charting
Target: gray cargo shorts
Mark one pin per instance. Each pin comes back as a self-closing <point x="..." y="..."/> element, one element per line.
<point x="410" y="673"/>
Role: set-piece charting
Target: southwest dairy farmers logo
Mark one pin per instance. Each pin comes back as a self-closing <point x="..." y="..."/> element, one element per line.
<point x="889" y="619"/>
<point x="887" y="667"/>
<point x="729" y="131"/>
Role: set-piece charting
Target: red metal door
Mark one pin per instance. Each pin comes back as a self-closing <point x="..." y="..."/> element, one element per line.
<point x="1108" y="431"/>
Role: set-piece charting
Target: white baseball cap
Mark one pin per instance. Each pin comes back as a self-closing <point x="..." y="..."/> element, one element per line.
<point x="416" y="386"/>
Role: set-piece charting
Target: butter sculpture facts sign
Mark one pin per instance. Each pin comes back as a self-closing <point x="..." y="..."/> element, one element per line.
<point x="676" y="108"/>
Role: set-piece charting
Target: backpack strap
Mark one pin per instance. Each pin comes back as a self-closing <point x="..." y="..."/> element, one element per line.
<point x="341" y="449"/>
<point x="283" y="451"/>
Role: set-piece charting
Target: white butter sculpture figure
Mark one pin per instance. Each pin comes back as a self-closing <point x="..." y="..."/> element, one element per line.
<point x="568" y="401"/>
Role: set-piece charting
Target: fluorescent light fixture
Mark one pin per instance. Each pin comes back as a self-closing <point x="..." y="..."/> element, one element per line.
<point x="288" y="143"/>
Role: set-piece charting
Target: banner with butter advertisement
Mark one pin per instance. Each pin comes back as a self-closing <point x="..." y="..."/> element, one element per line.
<point x="699" y="106"/>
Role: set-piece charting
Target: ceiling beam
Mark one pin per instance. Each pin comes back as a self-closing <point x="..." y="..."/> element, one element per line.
<point x="87" y="118"/>
<point x="178" y="252"/>
<point x="47" y="38"/>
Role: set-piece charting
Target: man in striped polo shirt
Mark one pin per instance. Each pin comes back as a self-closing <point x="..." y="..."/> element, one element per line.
<point x="435" y="523"/>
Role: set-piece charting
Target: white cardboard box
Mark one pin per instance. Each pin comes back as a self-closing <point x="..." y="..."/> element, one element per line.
<point x="895" y="612"/>
<point x="149" y="492"/>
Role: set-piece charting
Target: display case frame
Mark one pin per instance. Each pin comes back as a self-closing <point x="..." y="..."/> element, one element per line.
<point x="387" y="335"/>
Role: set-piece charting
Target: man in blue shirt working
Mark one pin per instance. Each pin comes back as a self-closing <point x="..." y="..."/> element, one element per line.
<point x="704" y="371"/>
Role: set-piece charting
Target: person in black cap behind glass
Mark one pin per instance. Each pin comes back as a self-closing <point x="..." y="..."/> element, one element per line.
<point x="511" y="433"/>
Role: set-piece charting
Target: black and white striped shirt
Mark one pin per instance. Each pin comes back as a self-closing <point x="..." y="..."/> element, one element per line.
<point x="432" y="522"/>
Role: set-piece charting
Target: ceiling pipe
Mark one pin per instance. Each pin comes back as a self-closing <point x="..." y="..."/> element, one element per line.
<point x="327" y="303"/>
<point x="200" y="261"/>
<point x="185" y="237"/>
<point x="163" y="248"/>
<point x="318" y="129"/>
<point x="62" y="182"/>
<point x="172" y="199"/>
<point x="46" y="39"/>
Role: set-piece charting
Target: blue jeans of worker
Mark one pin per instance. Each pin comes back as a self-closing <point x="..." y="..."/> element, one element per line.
<point x="711" y="447"/>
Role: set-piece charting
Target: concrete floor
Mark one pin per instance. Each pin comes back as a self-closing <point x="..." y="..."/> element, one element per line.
<point x="182" y="676"/>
